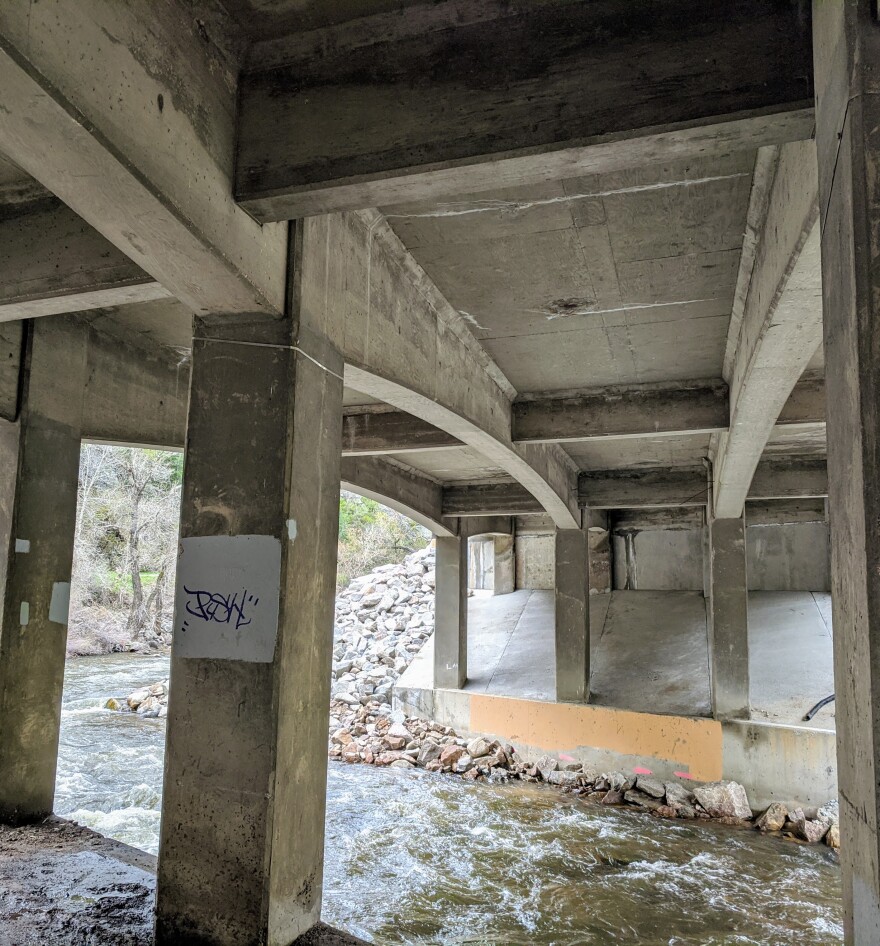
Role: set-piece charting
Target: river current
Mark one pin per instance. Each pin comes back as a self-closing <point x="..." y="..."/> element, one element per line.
<point x="416" y="858"/>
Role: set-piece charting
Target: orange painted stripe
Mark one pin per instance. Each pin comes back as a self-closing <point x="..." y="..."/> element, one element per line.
<point x="692" y="745"/>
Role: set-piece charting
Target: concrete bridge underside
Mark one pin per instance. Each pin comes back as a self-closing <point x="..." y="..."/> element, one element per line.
<point x="466" y="258"/>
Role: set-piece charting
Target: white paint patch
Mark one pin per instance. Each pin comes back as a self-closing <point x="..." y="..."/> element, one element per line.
<point x="291" y="529"/>
<point x="59" y="603"/>
<point x="226" y="604"/>
<point x="22" y="545"/>
<point x="24" y="613"/>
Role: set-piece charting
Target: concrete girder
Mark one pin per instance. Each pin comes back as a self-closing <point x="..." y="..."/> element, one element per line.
<point x="401" y="488"/>
<point x="386" y="98"/>
<point x="628" y="489"/>
<point x="137" y="137"/>
<point x="489" y="499"/>
<point x="780" y="326"/>
<point x="404" y="344"/>
<point x="627" y="411"/>
<point x="383" y="432"/>
<point x="790" y="477"/>
<point x="52" y="262"/>
<point x="784" y="477"/>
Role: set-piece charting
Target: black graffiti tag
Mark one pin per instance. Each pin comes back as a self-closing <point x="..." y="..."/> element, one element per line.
<point x="219" y="608"/>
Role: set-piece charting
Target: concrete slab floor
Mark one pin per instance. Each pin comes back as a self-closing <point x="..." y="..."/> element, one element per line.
<point x="650" y="652"/>
<point x="64" y="885"/>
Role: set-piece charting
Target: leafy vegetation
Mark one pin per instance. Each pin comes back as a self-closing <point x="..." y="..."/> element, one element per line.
<point x="122" y="592"/>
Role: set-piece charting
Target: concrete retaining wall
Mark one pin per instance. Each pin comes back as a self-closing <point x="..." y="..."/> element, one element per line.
<point x="794" y="765"/>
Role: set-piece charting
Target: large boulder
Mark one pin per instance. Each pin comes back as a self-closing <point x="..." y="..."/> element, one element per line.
<point x="773" y="819"/>
<point x="724" y="800"/>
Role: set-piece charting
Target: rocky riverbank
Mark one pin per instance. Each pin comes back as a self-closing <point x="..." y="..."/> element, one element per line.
<point x="382" y="621"/>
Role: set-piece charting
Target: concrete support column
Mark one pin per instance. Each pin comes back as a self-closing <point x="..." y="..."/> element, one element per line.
<point x="847" y="75"/>
<point x="241" y="851"/>
<point x="728" y="619"/>
<point x="572" y="616"/>
<point x="39" y="539"/>
<point x="450" y="612"/>
<point x="600" y="551"/>
<point x="504" y="564"/>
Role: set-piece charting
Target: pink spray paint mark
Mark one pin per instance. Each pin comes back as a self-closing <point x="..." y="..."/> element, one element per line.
<point x="684" y="775"/>
<point x="640" y="771"/>
<point x="566" y="758"/>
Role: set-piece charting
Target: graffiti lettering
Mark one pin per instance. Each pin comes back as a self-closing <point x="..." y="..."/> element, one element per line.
<point x="220" y="608"/>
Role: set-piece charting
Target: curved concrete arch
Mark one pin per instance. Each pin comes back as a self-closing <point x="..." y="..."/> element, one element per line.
<point x="404" y="344"/>
<point x="403" y="490"/>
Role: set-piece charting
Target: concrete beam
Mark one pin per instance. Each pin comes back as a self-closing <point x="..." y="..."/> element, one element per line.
<point x="489" y="499"/>
<point x="780" y="511"/>
<point x="632" y="411"/>
<point x="790" y="478"/>
<point x="486" y="525"/>
<point x="452" y="97"/>
<point x="777" y="322"/>
<point x="53" y="262"/>
<point x="413" y="494"/>
<point x="379" y="432"/>
<point x="134" y="395"/>
<point x="404" y="344"/>
<point x="633" y="489"/>
<point x="805" y="404"/>
<point x="136" y="134"/>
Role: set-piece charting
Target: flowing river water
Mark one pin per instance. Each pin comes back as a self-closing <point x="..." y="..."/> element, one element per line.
<point x="418" y="858"/>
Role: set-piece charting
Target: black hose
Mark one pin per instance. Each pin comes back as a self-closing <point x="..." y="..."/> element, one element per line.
<point x="818" y="706"/>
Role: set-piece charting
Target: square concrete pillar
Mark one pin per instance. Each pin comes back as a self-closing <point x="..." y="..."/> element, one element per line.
<point x="40" y="479"/>
<point x="572" y="616"/>
<point x="847" y="75"/>
<point x="242" y="837"/>
<point x="728" y="619"/>
<point x="450" y="612"/>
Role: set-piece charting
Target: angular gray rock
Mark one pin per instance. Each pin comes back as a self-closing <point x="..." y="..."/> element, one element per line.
<point x="724" y="800"/>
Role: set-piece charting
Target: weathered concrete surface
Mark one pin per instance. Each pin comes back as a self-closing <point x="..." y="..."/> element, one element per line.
<point x="728" y="619"/>
<point x="404" y="344"/>
<point x="39" y="554"/>
<point x="382" y="432"/>
<point x="241" y="851"/>
<point x="136" y="134"/>
<point x="491" y="563"/>
<point x="780" y="324"/>
<point x="572" y="616"/>
<point x="389" y="137"/>
<point x="622" y="411"/>
<point x="399" y="487"/>
<point x="628" y="489"/>
<point x="53" y="262"/>
<point x="134" y="394"/>
<point x="846" y="46"/>
<point x="451" y="612"/>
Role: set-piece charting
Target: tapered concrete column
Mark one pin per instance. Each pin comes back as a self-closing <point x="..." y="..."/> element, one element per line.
<point x="241" y="852"/>
<point x="39" y="538"/>
<point x="728" y="619"/>
<point x="450" y="612"/>
<point x="847" y="74"/>
<point x="572" y="616"/>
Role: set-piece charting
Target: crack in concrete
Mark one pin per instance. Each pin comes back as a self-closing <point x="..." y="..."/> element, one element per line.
<point x="492" y="205"/>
